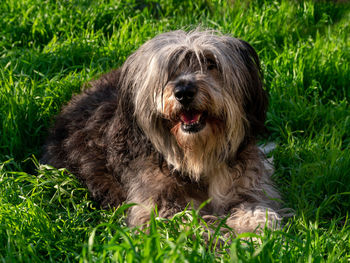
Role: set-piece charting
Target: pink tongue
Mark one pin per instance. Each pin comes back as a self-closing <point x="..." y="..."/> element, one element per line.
<point x="189" y="118"/>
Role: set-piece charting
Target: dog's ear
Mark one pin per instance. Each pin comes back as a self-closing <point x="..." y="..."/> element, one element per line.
<point x="256" y="100"/>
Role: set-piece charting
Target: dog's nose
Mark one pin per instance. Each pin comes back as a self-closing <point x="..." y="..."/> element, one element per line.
<point x="185" y="93"/>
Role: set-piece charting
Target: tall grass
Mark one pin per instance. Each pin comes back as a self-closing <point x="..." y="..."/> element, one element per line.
<point x="48" y="49"/>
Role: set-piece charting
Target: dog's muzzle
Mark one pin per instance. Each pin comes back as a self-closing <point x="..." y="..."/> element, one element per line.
<point x="192" y="120"/>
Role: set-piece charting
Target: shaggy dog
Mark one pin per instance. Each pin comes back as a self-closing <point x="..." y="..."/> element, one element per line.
<point x="176" y="124"/>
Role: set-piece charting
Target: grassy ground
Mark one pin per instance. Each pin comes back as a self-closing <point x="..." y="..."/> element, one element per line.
<point x="48" y="49"/>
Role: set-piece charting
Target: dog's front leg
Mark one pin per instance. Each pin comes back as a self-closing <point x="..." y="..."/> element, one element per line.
<point x="153" y="188"/>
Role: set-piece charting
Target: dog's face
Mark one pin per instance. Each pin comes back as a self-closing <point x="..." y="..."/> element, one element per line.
<point x="197" y="96"/>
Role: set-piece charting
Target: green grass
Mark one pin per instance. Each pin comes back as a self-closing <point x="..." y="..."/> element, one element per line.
<point x="48" y="49"/>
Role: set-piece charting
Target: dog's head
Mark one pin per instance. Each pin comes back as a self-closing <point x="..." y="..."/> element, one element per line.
<point x="197" y="96"/>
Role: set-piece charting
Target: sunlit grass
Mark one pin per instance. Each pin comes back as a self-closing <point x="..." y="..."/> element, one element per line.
<point x="48" y="49"/>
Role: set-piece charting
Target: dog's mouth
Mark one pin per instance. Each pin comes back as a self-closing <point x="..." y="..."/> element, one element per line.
<point x="192" y="121"/>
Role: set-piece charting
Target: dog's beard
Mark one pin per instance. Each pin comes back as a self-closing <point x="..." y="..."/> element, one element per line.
<point x="200" y="148"/>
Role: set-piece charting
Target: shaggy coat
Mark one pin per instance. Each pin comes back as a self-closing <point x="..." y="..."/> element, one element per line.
<point x="130" y="136"/>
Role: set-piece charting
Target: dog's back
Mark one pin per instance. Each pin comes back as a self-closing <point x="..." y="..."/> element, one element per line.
<point x="76" y="141"/>
<point x="78" y="119"/>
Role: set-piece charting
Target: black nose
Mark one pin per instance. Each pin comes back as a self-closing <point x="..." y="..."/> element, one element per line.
<point x="185" y="93"/>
